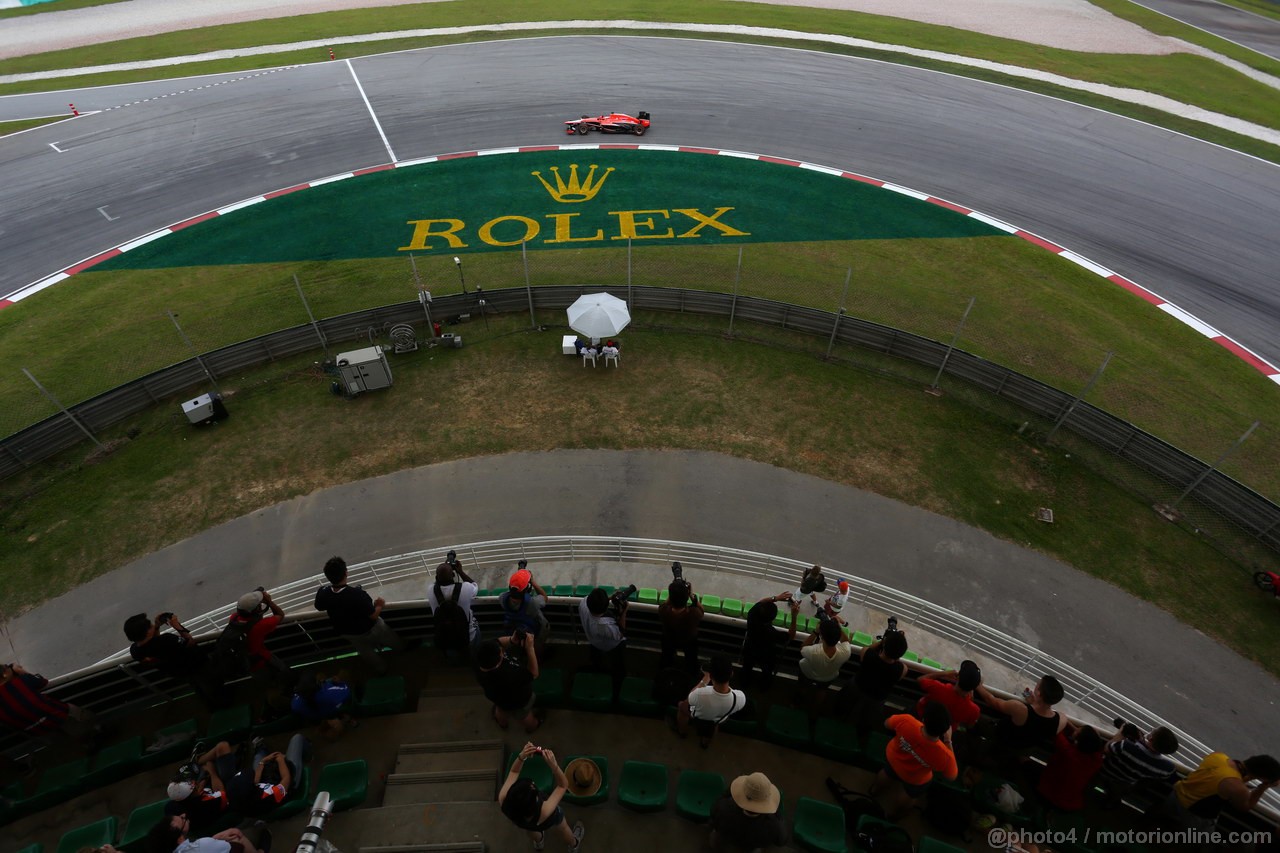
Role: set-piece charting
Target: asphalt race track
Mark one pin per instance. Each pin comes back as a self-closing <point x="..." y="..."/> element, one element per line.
<point x="1192" y="221"/>
<point x="1245" y="28"/>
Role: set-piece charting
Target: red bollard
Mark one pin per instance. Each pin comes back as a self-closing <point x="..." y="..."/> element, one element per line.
<point x="74" y="111"/>
<point x="331" y="56"/>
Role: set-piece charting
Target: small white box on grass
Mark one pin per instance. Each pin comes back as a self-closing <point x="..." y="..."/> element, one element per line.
<point x="568" y="345"/>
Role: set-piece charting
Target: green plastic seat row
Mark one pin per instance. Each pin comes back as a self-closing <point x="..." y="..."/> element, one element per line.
<point x="836" y="739"/>
<point x="139" y="824"/>
<point x="637" y="697"/>
<point x="93" y="834"/>
<point x="548" y="687"/>
<point x="788" y="726"/>
<point x="697" y="792"/>
<point x="643" y="786"/>
<point x="592" y="691"/>
<point x="386" y="695"/>
<point x="347" y="783"/>
<point x="820" y="826"/>
<point x="862" y="639"/>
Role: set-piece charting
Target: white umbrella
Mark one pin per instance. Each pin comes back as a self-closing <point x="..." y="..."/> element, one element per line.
<point x="598" y="315"/>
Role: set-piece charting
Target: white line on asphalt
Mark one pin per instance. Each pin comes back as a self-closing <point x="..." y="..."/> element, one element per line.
<point x="372" y="114"/>
<point x="103" y="211"/>
<point x="55" y="147"/>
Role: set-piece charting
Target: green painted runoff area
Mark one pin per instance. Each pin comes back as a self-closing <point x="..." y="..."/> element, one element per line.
<point x="575" y="199"/>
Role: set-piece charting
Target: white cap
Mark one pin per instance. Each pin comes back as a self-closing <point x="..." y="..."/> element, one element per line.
<point x="179" y="790"/>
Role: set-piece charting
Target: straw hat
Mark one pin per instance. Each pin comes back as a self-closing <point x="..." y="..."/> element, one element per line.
<point x="584" y="777"/>
<point x="755" y="793"/>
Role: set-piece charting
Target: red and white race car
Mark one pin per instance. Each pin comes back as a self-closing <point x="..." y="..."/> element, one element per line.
<point x="610" y="123"/>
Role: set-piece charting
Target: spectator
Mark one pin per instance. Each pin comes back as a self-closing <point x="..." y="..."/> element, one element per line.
<point x="762" y="641"/>
<point x="273" y="777"/>
<point x="821" y="657"/>
<point x="177" y="655"/>
<point x="173" y="834"/>
<point x="1029" y="722"/>
<point x="680" y="615"/>
<point x="879" y="670"/>
<point x="356" y="616"/>
<point x="747" y="818"/>
<point x="835" y="602"/>
<point x="1218" y="782"/>
<point x="521" y="609"/>
<point x="526" y="807"/>
<point x="507" y="684"/>
<point x="954" y="691"/>
<point x="203" y="800"/>
<point x="606" y="636"/>
<point x="450" y="599"/>
<point x="317" y="699"/>
<point x="918" y="750"/>
<point x="711" y="702"/>
<point x="25" y="706"/>
<point x="1077" y="757"/>
<point x="251" y="620"/>
<point x="811" y="583"/>
<point x="1133" y="758"/>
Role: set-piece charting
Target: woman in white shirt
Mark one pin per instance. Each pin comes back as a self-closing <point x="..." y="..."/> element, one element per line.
<point x="821" y="658"/>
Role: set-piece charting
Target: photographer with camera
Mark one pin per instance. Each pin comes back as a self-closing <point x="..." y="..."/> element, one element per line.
<point x="604" y="619"/>
<point x="680" y="615"/>
<point x="1133" y="758"/>
<point x="821" y="658"/>
<point x="710" y="702"/>
<point x="507" y="683"/>
<point x="880" y="669"/>
<point x="242" y="646"/>
<point x="356" y="616"/>
<point x="177" y="655"/>
<point x="25" y="707"/>
<point x="762" y="641"/>
<point x="522" y="606"/>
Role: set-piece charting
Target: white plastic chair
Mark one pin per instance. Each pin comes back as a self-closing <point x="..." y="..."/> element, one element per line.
<point x="588" y="356"/>
<point x="611" y="356"/>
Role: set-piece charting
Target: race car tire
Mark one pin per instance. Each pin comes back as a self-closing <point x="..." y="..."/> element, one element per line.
<point x="639" y="131"/>
<point x="582" y="130"/>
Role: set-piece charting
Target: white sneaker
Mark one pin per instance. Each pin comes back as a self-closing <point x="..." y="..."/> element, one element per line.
<point x="578" y="831"/>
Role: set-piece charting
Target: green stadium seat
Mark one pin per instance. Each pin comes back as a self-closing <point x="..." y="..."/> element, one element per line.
<point x="931" y="662"/>
<point x="647" y="595"/>
<point x="861" y="638"/>
<point x="663" y="595"/>
<point x="93" y="834"/>
<point x="299" y="798"/>
<point x="820" y="826"/>
<point x="347" y="783"/>
<point x="386" y="695"/>
<point x="743" y="723"/>
<point x="229" y="724"/>
<point x="732" y="607"/>
<point x="783" y="619"/>
<point x="911" y="656"/>
<point x="58" y="784"/>
<point x="875" y="827"/>
<point x="697" y="792"/>
<point x="599" y="796"/>
<point x="710" y="603"/>
<point x="582" y="590"/>
<point x="787" y="726"/>
<point x="536" y="770"/>
<point x="592" y="691"/>
<point x="115" y="762"/>
<point x="807" y="624"/>
<point x="836" y="739"/>
<point x="643" y="786"/>
<point x="637" y="697"/>
<point x="933" y="845"/>
<point x="564" y="590"/>
<point x="139" y="824"/>
<point x="548" y="687"/>
<point x="177" y="741"/>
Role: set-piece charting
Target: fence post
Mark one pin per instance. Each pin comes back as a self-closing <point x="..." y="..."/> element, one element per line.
<point x="630" y="306"/>
<point x="1076" y="400"/>
<point x="528" y="288"/>
<point x="1207" y="471"/>
<point x="424" y="295"/>
<point x="737" y="279"/>
<point x="52" y="399"/>
<point x="835" y="327"/>
<point x="323" y="343"/>
<point x="933" y="389"/>
<point x="199" y="360"/>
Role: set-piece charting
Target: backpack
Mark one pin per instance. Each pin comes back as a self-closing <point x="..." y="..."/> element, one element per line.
<point x="452" y="624"/>
<point x="948" y="810"/>
<point x="230" y="656"/>
<point x="884" y="838"/>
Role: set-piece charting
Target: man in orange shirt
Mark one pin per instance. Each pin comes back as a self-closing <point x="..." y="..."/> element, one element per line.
<point x="918" y="749"/>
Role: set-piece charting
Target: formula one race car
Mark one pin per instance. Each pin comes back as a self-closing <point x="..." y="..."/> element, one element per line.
<point x="611" y="123"/>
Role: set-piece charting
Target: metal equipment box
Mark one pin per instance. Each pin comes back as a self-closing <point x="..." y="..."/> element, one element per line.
<point x="364" y="370"/>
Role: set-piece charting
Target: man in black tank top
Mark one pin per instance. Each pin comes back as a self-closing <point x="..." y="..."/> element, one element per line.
<point x="862" y="697"/>
<point x="1029" y="722"/>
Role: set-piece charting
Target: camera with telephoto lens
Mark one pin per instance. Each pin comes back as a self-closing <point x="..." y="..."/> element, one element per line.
<point x="518" y="636"/>
<point x="677" y="574"/>
<point x="618" y="600"/>
<point x="890" y="628"/>
<point x="163" y="618"/>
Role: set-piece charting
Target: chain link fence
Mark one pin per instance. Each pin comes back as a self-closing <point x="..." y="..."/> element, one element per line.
<point x="847" y="307"/>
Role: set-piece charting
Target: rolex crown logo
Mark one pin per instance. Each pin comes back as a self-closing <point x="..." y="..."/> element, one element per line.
<point x="575" y="190"/>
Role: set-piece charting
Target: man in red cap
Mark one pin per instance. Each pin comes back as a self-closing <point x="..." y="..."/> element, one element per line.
<point x="835" y="602"/>
<point x="522" y="605"/>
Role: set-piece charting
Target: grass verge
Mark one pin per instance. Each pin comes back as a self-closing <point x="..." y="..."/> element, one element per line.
<point x="288" y="437"/>
<point x="60" y="6"/>
<point x="1183" y="77"/>
<point x="8" y="127"/>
